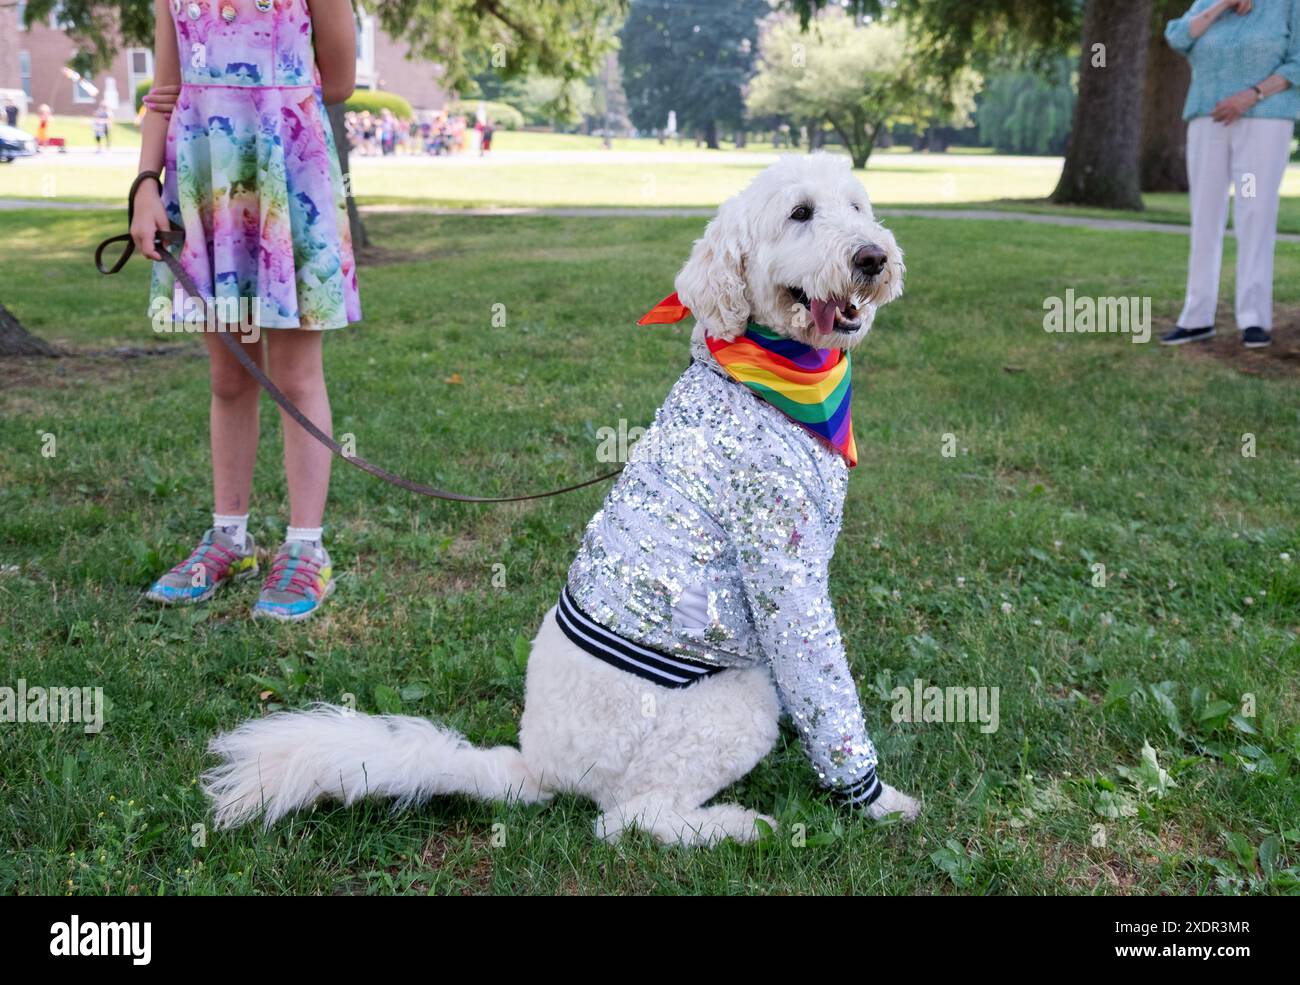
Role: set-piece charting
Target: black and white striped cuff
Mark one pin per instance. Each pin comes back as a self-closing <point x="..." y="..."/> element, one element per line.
<point x="862" y="792"/>
<point x="606" y="645"/>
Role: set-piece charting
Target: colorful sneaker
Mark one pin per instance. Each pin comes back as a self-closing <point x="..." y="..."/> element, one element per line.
<point x="301" y="579"/>
<point x="210" y="565"/>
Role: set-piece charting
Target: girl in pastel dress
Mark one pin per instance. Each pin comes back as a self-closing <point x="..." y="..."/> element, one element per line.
<point x="252" y="176"/>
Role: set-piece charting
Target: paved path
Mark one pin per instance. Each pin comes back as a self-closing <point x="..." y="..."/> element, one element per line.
<point x="564" y="211"/>
<point x="984" y="215"/>
<point x="1056" y="219"/>
<point x="54" y="203"/>
<point x="981" y="215"/>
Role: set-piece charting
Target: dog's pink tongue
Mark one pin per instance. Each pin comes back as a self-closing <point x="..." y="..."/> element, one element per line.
<point x="823" y="314"/>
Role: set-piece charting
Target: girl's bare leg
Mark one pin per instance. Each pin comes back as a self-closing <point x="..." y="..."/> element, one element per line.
<point x="233" y="426"/>
<point x="295" y="366"/>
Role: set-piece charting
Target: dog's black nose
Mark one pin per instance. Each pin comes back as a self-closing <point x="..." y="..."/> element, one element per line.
<point x="869" y="259"/>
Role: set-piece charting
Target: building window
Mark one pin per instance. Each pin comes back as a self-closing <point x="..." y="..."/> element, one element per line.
<point x="366" y="51"/>
<point x="79" y="92"/>
<point x="139" y="68"/>
<point x="25" y="70"/>
<point x="22" y="15"/>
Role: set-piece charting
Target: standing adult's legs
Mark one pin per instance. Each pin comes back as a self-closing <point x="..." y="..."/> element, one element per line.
<point x="1260" y="149"/>
<point x="1208" y="176"/>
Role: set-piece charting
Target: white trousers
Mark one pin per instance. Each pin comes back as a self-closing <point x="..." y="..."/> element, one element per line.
<point x="1251" y="155"/>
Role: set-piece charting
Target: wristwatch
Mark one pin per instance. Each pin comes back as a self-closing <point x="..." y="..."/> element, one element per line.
<point x="1259" y="94"/>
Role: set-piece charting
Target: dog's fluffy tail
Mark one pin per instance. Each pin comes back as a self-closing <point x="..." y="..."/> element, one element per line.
<point x="288" y="760"/>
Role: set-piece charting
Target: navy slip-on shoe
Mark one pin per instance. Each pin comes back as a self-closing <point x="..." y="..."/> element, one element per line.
<point x="1181" y="335"/>
<point x="1255" y="337"/>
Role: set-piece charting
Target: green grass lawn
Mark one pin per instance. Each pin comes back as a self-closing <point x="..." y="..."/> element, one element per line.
<point x="972" y="570"/>
<point x="556" y="180"/>
<point x="1165" y="207"/>
<point x="890" y="178"/>
<point x="894" y="178"/>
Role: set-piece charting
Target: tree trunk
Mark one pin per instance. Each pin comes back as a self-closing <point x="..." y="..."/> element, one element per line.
<point x="360" y="240"/>
<point x="17" y="341"/>
<point x="1163" y="158"/>
<point x="1101" y="162"/>
<point x="858" y="140"/>
<point x="711" y="135"/>
<point x="872" y="134"/>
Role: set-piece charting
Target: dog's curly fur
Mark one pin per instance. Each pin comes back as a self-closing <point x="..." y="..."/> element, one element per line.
<point x="752" y="254"/>
<point x="584" y="728"/>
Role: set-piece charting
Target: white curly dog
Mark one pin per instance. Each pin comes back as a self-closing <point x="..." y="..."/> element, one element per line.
<point x="787" y="253"/>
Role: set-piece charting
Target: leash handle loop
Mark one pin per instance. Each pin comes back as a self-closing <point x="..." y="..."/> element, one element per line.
<point x="126" y="238"/>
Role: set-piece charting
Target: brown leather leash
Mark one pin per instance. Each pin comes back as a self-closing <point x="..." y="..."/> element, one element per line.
<point x="177" y="236"/>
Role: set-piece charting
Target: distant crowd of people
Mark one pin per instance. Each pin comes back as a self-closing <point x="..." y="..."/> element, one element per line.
<point x="433" y="133"/>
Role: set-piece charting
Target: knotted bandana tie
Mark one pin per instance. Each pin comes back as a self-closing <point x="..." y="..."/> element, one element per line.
<point x="812" y="387"/>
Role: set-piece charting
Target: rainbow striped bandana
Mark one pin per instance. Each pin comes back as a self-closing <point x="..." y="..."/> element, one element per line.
<point x="812" y="387"/>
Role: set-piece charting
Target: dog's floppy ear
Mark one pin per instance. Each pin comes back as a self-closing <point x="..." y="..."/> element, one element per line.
<point x="712" y="283"/>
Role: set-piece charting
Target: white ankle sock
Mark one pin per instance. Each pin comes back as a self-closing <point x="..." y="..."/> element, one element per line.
<point x="308" y="535"/>
<point x="235" y="527"/>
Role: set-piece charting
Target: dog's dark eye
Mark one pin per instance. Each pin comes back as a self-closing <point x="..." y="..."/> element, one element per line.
<point x="857" y="207"/>
<point x="802" y="213"/>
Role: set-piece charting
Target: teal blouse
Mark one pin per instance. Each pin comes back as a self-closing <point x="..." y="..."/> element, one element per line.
<point x="1238" y="52"/>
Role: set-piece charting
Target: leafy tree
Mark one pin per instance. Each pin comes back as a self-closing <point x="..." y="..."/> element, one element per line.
<point x="609" y="101"/>
<point x="560" y="38"/>
<point x="692" y="57"/>
<point x="854" y="77"/>
<point x="1023" y="112"/>
<point x="541" y="99"/>
<point x="953" y="34"/>
<point x="1103" y="159"/>
<point x="557" y="39"/>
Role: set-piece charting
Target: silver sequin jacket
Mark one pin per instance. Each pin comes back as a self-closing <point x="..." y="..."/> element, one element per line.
<point x="715" y="544"/>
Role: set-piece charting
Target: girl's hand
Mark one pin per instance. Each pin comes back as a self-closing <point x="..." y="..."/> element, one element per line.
<point x="1230" y="110"/>
<point x="162" y="99"/>
<point x="1241" y="7"/>
<point x="150" y="219"/>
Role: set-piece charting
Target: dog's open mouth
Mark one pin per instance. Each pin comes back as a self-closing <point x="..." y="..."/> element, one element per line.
<point x="829" y="314"/>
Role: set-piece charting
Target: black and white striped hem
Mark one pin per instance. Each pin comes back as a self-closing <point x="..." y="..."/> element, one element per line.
<point x="606" y="645"/>
<point x="863" y="792"/>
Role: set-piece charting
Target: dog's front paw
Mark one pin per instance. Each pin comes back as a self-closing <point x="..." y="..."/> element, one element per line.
<point x="894" y="804"/>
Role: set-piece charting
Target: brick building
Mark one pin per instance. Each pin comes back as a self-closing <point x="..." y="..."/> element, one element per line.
<point x="382" y="64"/>
<point x="32" y="61"/>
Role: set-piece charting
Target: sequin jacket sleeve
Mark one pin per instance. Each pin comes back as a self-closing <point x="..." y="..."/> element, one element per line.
<point x="784" y="539"/>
